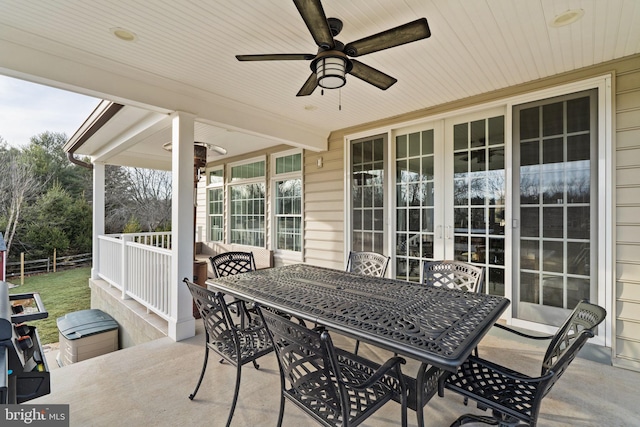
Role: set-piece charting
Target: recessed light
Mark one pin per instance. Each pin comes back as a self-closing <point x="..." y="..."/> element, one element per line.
<point x="566" y="18"/>
<point x="123" y="34"/>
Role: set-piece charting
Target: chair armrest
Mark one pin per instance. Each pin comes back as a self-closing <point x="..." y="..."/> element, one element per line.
<point x="393" y="363"/>
<point x="522" y="334"/>
<point x="509" y="373"/>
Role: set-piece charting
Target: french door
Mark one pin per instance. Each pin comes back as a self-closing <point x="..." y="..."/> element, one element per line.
<point x="438" y="190"/>
<point x="450" y="199"/>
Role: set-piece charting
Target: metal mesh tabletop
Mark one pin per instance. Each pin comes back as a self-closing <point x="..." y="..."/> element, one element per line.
<point x="435" y="325"/>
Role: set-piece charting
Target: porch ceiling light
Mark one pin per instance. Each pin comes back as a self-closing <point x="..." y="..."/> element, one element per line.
<point x="330" y="68"/>
<point x="124" y="34"/>
<point x="566" y="18"/>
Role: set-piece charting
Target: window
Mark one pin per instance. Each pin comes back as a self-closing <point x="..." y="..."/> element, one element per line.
<point x="216" y="205"/>
<point x="247" y="203"/>
<point x="287" y="190"/>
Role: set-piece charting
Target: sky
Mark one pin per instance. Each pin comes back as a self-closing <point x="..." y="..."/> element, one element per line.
<point x="28" y="109"/>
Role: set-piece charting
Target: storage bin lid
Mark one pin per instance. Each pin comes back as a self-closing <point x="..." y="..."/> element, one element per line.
<point x="84" y="323"/>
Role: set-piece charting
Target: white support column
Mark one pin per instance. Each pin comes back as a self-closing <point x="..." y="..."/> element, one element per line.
<point x="98" y="215"/>
<point x="182" y="323"/>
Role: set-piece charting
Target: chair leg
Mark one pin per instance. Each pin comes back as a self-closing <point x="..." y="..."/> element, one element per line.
<point x="255" y="364"/>
<point x="281" y="413"/>
<point x="357" y="347"/>
<point x="403" y="407"/>
<point x="420" y="394"/>
<point x="235" y="395"/>
<point x="204" y="368"/>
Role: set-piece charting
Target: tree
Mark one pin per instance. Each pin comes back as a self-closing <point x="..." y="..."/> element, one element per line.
<point x="57" y="221"/>
<point x="139" y="195"/>
<point x="51" y="165"/>
<point x="150" y="192"/>
<point x="18" y="187"/>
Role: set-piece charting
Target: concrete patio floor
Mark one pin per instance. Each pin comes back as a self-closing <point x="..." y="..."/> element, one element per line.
<point x="148" y="385"/>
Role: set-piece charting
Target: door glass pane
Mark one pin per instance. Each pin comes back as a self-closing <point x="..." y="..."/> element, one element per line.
<point x="460" y="136"/>
<point x="555" y="142"/>
<point x="496" y="130"/>
<point x="552" y="119"/>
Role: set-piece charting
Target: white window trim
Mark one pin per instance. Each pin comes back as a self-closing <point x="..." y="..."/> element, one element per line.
<point x="208" y="187"/>
<point x="245" y="181"/>
<point x="262" y="178"/>
<point x="215" y="184"/>
<point x="280" y="254"/>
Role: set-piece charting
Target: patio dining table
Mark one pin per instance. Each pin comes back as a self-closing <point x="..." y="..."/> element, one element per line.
<point x="437" y="326"/>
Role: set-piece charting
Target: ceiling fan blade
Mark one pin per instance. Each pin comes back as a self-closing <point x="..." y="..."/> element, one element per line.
<point x="309" y="86"/>
<point x="407" y="33"/>
<point x="371" y="75"/>
<point x="313" y="15"/>
<point x="277" y="57"/>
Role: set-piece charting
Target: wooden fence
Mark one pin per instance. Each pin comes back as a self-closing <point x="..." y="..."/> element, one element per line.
<point x="46" y="265"/>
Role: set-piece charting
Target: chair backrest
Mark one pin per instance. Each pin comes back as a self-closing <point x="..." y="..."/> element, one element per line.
<point x="454" y="275"/>
<point x="367" y="263"/>
<point x="570" y="338"/>
<point x="213" y="311"/>
<point x="308" y="361"/>
<point x="230" y="263"/>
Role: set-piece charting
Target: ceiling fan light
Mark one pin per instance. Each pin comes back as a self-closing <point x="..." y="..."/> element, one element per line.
<point x="330" y="72"/>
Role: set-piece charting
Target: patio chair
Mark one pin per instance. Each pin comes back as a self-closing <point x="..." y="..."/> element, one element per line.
<point x="333" y="386"/>
<point x="453" y="274"/>
<point x="367" y="263"/>
<point x="230" y="263"/>
<point x="238" y="344"/>
<point x="513" y="397"/>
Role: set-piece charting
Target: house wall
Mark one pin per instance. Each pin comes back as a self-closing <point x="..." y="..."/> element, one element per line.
<point x="324" y="207"/>
<point x="626" y="140"/>
<point x="627" y="295"/>
<point x="324" y="189"/>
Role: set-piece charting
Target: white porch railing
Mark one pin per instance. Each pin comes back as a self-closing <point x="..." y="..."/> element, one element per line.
<point x="139" y="264"/>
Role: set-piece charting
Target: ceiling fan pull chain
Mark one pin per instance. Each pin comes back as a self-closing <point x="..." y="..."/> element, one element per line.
<point x="339" y="99"/>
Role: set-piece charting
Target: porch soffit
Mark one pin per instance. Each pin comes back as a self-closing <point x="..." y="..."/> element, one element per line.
<point x="183" y="57"/>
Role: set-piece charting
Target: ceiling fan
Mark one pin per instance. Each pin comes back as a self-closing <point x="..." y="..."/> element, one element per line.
<point x="334" y="59"/>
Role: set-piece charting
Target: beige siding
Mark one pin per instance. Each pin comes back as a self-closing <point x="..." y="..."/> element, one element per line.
<point x="324" y="207"/>
<point x="627" y="299"/>
<point x="201" y="211"/>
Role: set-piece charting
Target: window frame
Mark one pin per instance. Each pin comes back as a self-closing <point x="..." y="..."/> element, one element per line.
<point x="274" y="179"/>
<point x="211" y="186"/>
<point x="246" y="181"/>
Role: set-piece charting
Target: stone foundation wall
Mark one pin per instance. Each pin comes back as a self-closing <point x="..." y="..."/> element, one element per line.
<point x="136" y="326"/>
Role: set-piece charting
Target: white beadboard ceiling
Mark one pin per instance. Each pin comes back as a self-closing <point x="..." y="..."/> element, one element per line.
<point x="184" y="57"/>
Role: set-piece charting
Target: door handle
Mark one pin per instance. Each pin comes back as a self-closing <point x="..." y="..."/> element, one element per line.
<point x="448" y="232"/>
<point x="439" y="232"/>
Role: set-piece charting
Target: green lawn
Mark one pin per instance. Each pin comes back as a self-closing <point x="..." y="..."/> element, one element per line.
<point x="61" y="292"/>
